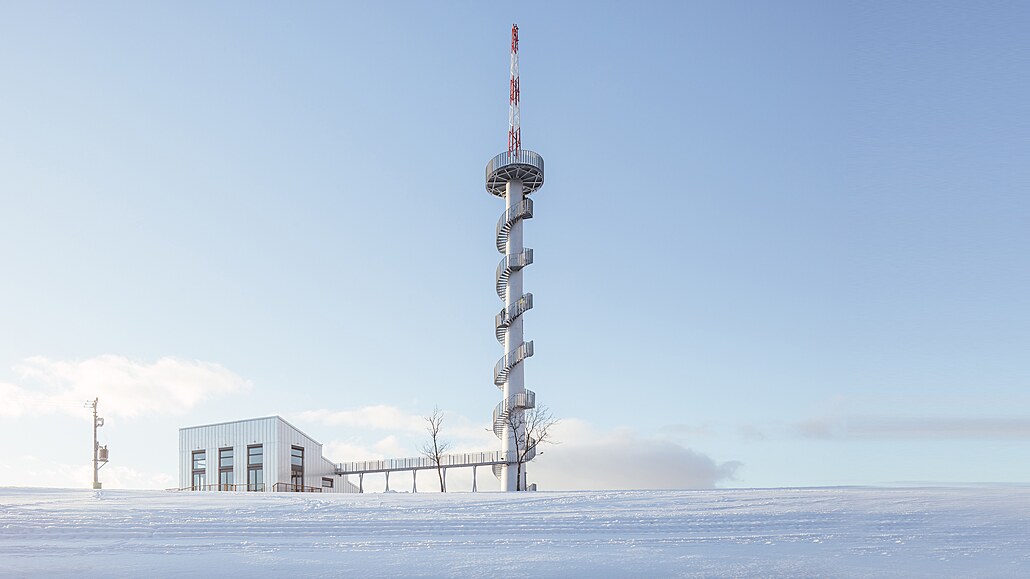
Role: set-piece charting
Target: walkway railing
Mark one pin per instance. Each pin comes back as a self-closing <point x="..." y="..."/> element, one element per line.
<point x="415" y="464"/>
<point x="259" y="487"/>
<point x="292" y="488"/>
<point x="420" y="463"/>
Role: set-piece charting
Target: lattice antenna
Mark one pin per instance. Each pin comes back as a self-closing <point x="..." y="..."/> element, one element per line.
<point x="514" y="131"/>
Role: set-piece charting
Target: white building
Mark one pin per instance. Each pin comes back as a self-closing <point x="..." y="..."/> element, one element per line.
<point x="260" y="454"/>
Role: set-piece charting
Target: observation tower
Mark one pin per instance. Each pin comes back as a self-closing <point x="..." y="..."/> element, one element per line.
<point x="512" y="176"/>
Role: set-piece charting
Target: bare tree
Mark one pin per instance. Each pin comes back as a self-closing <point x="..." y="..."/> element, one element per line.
<point x="435" y="447"/>
<point x="532" y="428"/>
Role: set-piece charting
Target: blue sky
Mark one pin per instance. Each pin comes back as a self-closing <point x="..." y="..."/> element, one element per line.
<point x="781" y="244"/>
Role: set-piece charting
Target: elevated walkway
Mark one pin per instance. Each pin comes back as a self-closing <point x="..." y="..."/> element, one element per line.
<point x="414" y="464"/>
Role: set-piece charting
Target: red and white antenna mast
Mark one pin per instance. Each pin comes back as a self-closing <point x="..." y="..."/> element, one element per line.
<point x="514" y="131"/>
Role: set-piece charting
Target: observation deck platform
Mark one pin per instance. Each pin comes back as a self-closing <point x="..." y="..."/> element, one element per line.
<point x="522" y="165"/>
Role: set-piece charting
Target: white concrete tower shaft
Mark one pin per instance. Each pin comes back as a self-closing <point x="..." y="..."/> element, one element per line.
<point x="512" y="176"/>
<point x="513" y="338"/>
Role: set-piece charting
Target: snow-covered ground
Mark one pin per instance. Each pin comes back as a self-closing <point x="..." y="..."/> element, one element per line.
<point x="811" y="532"/>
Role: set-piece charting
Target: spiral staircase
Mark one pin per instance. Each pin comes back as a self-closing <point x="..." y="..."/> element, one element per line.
<point x="526" y="167"/>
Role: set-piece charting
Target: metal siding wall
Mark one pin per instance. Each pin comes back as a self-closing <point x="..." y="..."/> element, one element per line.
<point x="237" y="435"/>
<point x="271" y="457"/>
<point x="315" y="465"/>
<point x="277" y="436"/>
<point x="183" y="460"/>
<point x="282" y="451"/>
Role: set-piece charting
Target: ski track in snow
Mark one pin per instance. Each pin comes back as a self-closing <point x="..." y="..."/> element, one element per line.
<point x="808" y="532"/>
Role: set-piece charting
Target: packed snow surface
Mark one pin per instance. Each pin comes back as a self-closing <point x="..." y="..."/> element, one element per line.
<point x="809" y="532"/>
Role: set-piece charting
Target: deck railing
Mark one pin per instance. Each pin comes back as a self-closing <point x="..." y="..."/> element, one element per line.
<point x="519" y="157"/>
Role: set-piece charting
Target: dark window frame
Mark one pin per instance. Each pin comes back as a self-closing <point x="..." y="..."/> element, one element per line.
<point x="203" y="454"/>
<point x="250" y="454"/>
<point x="201" y="472"/>
<point x="224" y="484"/>
<point x="255" y="468"/>
<point x="325" y="480"/>
<point x="297" y="471"/>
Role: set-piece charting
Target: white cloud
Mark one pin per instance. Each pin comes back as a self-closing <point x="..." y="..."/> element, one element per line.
<point x="586" y="458"/>
<point x="916" y="428"/>
<point x="341" y="451"/>
<point x="750" y="432"/>
<point x="391" y="447"/>
<point x="705" y="430"/>
<point x="370" y="417"/>
<point x="407" y="428"/>
<point x="35" y="471"/>
<point x="941" y="428"/>
<point x="127" y="387"/>
<point x="817" y="428"/>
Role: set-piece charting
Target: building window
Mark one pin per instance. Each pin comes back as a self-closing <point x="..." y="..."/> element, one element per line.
<point x="297" y="468"/>
<point x="255" y="475"/>
<point x="199" y="470"/>
<point x="327" y="483"/>
<point x="225" y="479"/>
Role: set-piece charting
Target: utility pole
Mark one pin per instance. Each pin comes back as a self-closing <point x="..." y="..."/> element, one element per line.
<point x="99" y="452"/>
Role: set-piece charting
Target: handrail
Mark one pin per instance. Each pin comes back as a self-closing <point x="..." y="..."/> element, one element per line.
<point x="522" y="165"/>
<point x="526" y="399"/>
<point x="519" y="157"/>
<point x="522" y="210"/>
<point x="293" y="488"/>
<point x="531" y="453"/>
<point x="509" y="360"/>
<point x="508" y="264"/>
<point x="507" y="315"/>
<point x="420" y="463"/>
<point x="256" y="487"/>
